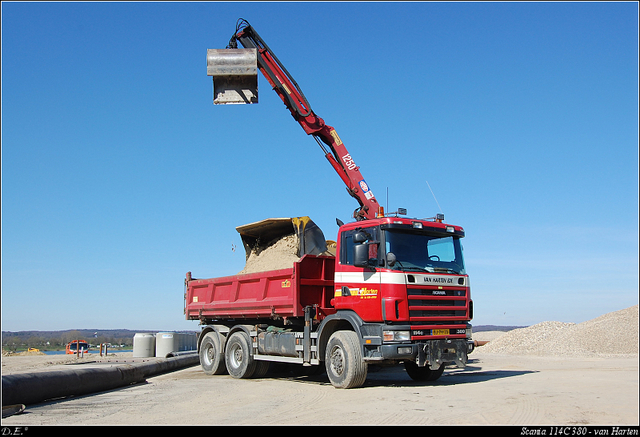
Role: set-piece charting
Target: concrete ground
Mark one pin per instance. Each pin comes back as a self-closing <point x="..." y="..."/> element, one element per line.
<point x="492" y="390"/>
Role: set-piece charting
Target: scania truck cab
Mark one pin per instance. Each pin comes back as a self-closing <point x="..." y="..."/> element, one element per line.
<point x="408" y="276"/>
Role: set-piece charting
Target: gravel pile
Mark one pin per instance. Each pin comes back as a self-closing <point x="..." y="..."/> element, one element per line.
<point x="614" y="333"/>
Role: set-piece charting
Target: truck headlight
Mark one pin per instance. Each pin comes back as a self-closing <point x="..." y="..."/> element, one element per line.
<point x="396" y="335"/>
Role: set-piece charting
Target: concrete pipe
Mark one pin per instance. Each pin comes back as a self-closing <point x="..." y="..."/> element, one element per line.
<point x="32" y="388"/>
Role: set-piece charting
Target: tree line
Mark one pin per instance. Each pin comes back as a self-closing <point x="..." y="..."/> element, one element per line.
<point x="57" y="340"/>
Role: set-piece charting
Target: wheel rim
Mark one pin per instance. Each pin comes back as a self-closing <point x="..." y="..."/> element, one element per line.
<point x="209" y="353"/>
<point x="235" y="357"/>
<point x="337" y="360"/>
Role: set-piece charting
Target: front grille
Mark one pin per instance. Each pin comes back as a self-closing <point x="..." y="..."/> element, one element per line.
<point x="414" y="314"/>
<point x="437" y="313"/>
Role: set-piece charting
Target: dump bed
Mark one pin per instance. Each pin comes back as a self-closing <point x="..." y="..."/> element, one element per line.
<point x="264" y="295"/>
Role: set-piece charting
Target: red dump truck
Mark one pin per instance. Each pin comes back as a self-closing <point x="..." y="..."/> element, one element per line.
<point x="389" y="290"/>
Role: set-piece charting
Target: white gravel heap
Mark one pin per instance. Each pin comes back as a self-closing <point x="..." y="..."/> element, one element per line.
<point x="614" y="333"/>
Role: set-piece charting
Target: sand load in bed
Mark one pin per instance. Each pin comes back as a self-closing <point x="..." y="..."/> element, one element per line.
<point x="276" y="243"/>
<point x="281" y="254"/>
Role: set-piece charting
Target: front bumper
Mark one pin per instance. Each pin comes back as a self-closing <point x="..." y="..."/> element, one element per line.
<point x="433" y="353"/>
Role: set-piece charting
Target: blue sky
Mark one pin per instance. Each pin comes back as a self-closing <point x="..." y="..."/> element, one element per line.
<point x="119" y="175"/>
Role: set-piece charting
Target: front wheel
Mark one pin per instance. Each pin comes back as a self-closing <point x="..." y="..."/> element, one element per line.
<point x="343" y="360"/>
<point x="422" y="373"/>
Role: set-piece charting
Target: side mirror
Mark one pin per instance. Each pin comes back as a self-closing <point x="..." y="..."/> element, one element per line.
<point x="359" y="237"/>
<point x="361" y="255"/>
<point x="391" y="259"/>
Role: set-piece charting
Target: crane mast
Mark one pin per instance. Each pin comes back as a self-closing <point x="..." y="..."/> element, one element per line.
<point x="292" y="96"/>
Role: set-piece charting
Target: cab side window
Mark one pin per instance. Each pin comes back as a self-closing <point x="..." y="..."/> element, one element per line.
<point x="346" y="248"/>
<point x="347" y="243"/>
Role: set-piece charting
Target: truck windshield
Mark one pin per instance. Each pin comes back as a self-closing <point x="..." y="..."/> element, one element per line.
<point x="423" y="252"/>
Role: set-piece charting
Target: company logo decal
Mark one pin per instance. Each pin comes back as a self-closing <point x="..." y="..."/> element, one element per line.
<point x="362" y="293"/>
<point x="365" y="189"/>
<point x="439" y="279"/>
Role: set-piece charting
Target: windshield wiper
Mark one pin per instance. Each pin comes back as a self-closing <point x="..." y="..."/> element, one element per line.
<point x="415" y="269"/>
<point x="445" y="269"/>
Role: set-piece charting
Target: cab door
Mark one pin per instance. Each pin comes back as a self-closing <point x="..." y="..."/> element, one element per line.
<point x="357" y="288"/>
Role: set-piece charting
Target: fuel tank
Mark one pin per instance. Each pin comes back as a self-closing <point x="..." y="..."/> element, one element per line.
<point x="277" y="343"/>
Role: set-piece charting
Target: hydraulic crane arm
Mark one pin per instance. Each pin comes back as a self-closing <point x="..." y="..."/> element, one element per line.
<point x="291" y="94"/>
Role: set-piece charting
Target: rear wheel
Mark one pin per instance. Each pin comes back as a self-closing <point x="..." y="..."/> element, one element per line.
<point x="343" y="360"/>
<point x="422" y="373"/>
<point x="212" y="355"/>
<point x="240" y="363"/>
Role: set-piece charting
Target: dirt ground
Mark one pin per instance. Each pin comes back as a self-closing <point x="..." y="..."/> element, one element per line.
<point x="493" y="389"/>
<point x="36" y="362"/>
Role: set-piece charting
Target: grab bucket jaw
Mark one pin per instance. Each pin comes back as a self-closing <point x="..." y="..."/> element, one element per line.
<point x="235" y="75"/>
<point x="261" y="234"/>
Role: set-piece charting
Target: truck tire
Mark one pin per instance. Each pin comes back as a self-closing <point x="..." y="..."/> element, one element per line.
<point x="262" y="367"/>
<point x="240" y="363"/>
<point x="343" y="360"/>
<point x="422" y="373"/>
<point x="212" y="355"/>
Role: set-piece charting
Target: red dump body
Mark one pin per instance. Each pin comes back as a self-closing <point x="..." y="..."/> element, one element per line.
<point x="264" y="295"/>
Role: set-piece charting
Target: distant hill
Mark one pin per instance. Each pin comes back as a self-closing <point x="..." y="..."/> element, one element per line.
<point x="55" y="340"/>
<point x="481" y="328"/>
<point x="87" y="333"/>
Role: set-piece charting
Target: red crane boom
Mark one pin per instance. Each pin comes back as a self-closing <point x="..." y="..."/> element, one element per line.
<point x="291" y="94"/>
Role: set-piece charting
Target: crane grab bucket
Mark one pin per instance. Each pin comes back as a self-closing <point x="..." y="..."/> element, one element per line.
<point x="259" y="235"/>
<point x="235" y="75"/>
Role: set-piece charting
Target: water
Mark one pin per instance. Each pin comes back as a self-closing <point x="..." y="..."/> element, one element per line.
<point x="91" y="351"/>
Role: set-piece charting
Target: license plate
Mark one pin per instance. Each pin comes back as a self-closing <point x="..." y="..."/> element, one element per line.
<point x="440" y="332"/>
